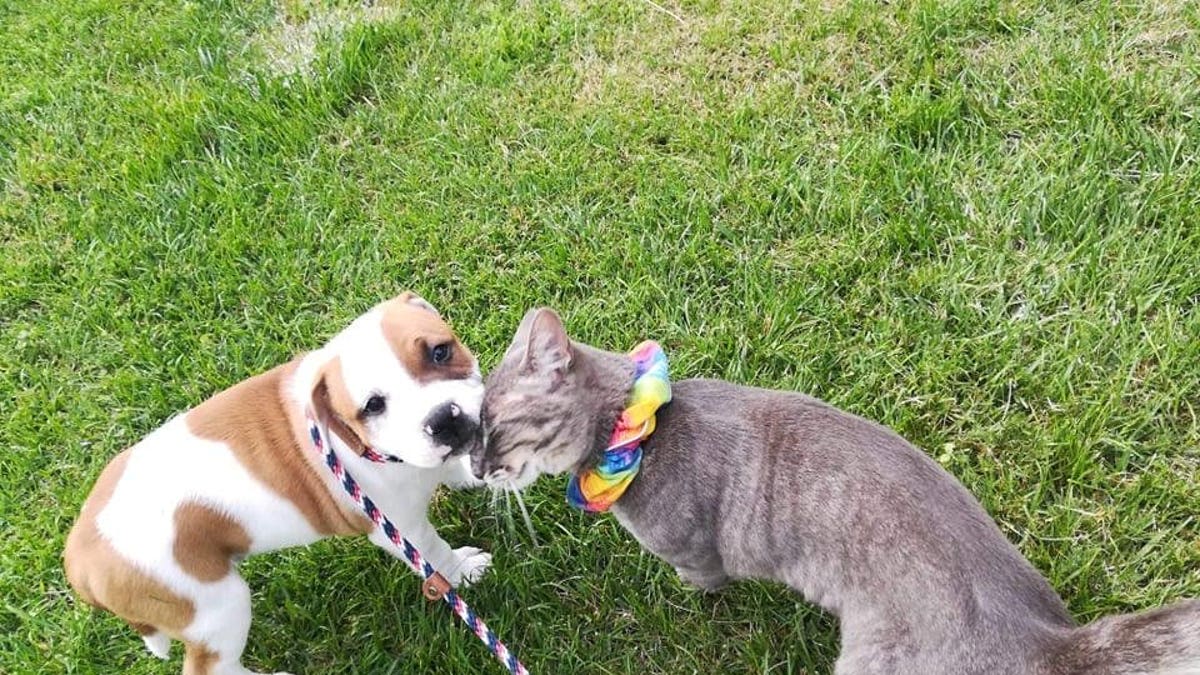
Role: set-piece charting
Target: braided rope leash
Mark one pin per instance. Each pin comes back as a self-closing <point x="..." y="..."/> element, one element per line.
<point x="433" y="586"/>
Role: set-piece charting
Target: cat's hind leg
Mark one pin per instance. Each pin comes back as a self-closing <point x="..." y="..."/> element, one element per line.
<point x="706" y="579"/>
<point x="867" y="662"/>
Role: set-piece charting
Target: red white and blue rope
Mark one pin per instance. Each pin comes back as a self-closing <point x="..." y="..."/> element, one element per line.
<point x="380" y="457"/>
<point x="411" y="554"/>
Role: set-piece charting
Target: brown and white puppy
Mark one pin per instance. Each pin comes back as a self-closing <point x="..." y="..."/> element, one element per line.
<point x="169" y="518"/>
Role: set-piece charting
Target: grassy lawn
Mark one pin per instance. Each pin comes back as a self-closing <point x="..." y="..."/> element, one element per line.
<point x="977" y="221"/>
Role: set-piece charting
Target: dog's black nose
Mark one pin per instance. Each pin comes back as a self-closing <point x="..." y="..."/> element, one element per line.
<point x="448" y="425"/>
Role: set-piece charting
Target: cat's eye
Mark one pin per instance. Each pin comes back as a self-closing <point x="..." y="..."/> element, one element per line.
<point x="375" y="405"/>
<point x="440" y="354"/>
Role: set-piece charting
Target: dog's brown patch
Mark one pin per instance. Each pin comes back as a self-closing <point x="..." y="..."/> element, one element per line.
<point x="198" y="659"/>
<point x="207" y="541"/>
<point x="104" y="579"/>
<point x="413" y="330"/>
<point x="271" y="441"/>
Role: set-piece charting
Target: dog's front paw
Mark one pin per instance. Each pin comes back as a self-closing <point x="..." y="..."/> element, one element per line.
<point x="472" y="563"/>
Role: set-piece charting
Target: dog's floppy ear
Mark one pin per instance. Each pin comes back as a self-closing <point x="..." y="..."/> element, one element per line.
<point x="323" y="409"/>
<point x="417" y="301"/>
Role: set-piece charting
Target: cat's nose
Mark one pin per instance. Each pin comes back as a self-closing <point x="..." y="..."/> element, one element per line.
<point x="478" y="464"/>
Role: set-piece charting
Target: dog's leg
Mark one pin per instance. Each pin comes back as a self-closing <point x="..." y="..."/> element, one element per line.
<point x="460" y="566"/>
<point x="159" y="644"/>
<point x="217" y="635"/>
<point x="156" y="641"/>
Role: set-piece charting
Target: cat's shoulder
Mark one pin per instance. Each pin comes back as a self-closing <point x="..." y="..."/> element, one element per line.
<point x="712" y="396"/>
<point x="731" y="392"/>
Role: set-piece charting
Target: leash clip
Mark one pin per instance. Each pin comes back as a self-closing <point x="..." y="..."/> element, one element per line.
<point x="435" y="587"/>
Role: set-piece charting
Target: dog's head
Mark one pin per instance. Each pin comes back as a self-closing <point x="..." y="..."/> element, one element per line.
<point x="398" y="381"/>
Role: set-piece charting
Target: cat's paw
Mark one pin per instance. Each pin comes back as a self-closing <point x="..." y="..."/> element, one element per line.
<point x="472" y="563"/>
<point x="706" y="580"/>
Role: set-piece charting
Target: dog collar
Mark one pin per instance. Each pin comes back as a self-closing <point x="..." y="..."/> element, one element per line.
<point x="368" y="453"/>
<point x="598" y="488"/>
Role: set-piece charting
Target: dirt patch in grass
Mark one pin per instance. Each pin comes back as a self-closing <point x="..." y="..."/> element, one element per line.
<point x="289" y="46"/>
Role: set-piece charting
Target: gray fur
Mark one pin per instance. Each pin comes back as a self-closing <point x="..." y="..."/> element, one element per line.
<point x="739" y="482"/>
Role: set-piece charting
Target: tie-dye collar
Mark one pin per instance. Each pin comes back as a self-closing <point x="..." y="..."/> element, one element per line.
<point x="600" y="486"/>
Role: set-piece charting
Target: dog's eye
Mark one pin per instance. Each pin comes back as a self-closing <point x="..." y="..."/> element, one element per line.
<point x="375" y="405"/>
<point x="440" y="354"/>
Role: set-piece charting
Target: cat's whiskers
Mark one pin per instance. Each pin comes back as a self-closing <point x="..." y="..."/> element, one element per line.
<point x="510" y="525"/>
<point x="524" y="513"/>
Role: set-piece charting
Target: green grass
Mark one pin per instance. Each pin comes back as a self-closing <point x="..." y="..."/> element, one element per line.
<point x="976" y="221"/>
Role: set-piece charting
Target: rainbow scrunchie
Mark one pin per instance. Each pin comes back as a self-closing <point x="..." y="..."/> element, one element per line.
<point x="597" y="488"/>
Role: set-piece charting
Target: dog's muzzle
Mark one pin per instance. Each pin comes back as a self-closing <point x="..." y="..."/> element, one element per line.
<point x="448" y="425"/>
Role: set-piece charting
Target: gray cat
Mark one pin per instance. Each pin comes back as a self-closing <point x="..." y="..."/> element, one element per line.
<point x="738" y="483"/>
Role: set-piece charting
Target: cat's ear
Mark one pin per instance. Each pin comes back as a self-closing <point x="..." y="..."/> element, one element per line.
<point x="517" y="348"/>
<point x="543" y="341"/>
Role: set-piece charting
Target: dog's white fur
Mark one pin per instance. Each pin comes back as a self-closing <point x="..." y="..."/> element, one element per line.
<point x="173" y="466"/>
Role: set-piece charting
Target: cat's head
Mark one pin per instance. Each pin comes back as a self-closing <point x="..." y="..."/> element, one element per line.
<point x="540" y="409"/>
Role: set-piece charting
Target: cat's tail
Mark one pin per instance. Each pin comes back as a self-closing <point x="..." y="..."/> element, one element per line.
<point x="1163" y="641"/>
